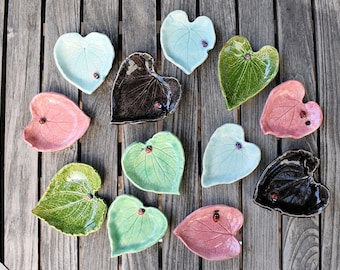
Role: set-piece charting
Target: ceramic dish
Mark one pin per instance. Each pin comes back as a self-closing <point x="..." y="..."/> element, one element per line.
<point x="57" y="122"/>
<point x="285" y="115"/>
<point x="243" y="73"/>
<point x="69" y="204"/>
<point x="156" y="165"/>
<point x="228" y="157"/>
<point x="186" y="44"/>
<point x="287" y="185"/>
<point x="210" y="232"/>
<point x="132" y="227"/>
<point x="84" y="61"/>
<point x="139" y="94"/>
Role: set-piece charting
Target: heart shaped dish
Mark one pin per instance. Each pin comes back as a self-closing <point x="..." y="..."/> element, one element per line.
<point x="157" y="165"/>
<point x="139" y="94"/>
<point x="84" y="61"/>
<point x="133" y="227"/>
<point x="228" y="157"/>
<point x="285" y="115"/>
<point x="186" y="44"/>
<point x="243" y="73"/>
<point x="57" y="122"/>
<point x="210" y="232"/>
<point x="287" y="185"/>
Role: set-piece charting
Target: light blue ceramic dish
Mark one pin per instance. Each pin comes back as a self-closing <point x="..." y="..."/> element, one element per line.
<point x="186" y="44"/>
<point x="84" y="61"/>
<point x="228" y="157"/>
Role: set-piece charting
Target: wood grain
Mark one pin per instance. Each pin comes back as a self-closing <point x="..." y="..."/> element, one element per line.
<point x="99" y="146"/>
<point x="213" y="111"/>
<point x="261" y="237"/>
<point x="297" y="62"/>
<point x="20" y="161"/>
<point x="183" y="124"/>
<point x="327" y="36"/>
<point x="139" y="34"/>
<point x="61" y="17"/>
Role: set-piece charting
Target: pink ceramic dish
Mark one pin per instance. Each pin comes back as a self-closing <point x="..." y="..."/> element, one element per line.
<point x="57" y="122"/>
<point x="210" y="232"/>
<point x="286" y="116"/>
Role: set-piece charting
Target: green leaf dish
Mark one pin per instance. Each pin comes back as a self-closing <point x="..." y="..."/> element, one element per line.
<point x="157" y="165"/>
<point x="69" y="203"/>
<point x="243" y="73"/>
<point x="133" y="227"/>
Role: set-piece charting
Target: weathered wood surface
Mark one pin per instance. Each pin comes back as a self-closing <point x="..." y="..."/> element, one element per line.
<point x="307" y="35"/>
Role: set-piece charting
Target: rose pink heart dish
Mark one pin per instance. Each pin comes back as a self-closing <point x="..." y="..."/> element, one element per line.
<point x="286" y="116"/>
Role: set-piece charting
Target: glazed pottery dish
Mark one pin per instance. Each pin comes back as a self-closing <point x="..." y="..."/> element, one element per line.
<point x="242" y="72"/>
<point x="287" y="185"/>
<point x="133" y="227"/>
<point x="139" y="94"/>
<point x="286" y="116"/>
<point x="70" y="204"/>
<point x="57" y="122"/>
<point x="228" y="157"/>
<point x="84" y="61"/>
<point x="186" y="44"/>
<point x="157" y="165"/>
<point x="210" y="232"/>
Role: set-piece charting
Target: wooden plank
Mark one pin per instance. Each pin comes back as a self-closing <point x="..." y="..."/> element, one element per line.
<point x="327" y="36"/>
<point x="183" y="124"/>
<point x="2" y="126"/>
<point x="261" y="237"/>
<point x="61" y="17"/>
<point x="99" y="146"/>
<point x="214" y="112"/>
<point x="20" y="161"/>
<point x="300" y="240"/>
<point x="139" y="34"/>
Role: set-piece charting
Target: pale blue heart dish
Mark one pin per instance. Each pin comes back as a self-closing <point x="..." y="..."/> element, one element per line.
<point x="186" y="44"/>
<point x="228" y="157"/>
<point x="84" y="61"/>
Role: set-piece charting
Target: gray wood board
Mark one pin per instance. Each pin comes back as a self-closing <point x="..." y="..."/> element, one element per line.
<point x="261" y="237"/>
<point x="99" y="146"/>
<point x="20" y="161"/>
<point x="60" y="17"/>
<point x="327" y="36"/>
<point x="300" y="237"/>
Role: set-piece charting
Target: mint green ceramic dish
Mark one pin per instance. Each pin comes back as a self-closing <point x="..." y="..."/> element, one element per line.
<point x="132" y="227"/>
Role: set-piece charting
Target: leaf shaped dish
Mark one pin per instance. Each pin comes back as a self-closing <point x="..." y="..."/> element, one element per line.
<point x="228" y="157"/>
<point x="69" y="204"/>
<point x="210" y="232"/>
<point x="84" y="61"/>
<point x="186" y="44"/>
<point x="156" y="165"/>
<point x="139" y="94"/>
<point x="133" y="227"/>
<point x="285" y="115"/>
<point x="287" y="185"/>
<point x="243" y="73"/>
<point x="57" y="122"/>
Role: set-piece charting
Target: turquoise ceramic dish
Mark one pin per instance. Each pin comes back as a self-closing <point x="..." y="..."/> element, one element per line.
<point x="228" y="157"/>
<point x="186" y="44"/>
<point x="84" y="61"/>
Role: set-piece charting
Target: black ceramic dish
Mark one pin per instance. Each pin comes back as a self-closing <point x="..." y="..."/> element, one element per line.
<point x="139" y="94"/>
<point x="287" y="185"/>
